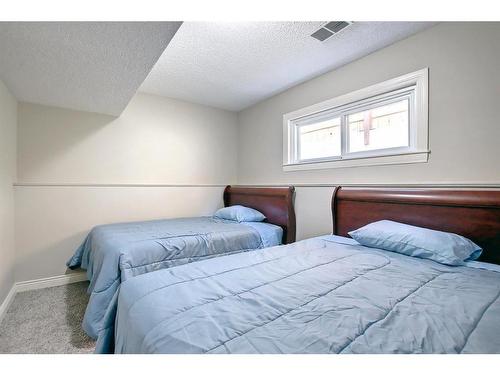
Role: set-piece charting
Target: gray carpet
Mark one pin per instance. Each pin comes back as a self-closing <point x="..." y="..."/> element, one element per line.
<point x="47" y="321"/>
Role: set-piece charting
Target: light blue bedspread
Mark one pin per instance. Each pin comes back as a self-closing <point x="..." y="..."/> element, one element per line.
<point x="314" y="296"/>
<point x="114" y="253"/>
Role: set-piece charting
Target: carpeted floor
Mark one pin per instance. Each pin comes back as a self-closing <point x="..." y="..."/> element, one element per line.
<point x="47" y="321"/>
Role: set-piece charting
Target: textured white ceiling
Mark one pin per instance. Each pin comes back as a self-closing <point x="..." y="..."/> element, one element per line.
<point x="235" y="65"/>
<point x="90" y="66"/>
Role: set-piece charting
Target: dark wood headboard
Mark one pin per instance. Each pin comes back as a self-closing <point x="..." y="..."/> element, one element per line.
<point x="275" y="203"/>
<point x="474" y="214"/>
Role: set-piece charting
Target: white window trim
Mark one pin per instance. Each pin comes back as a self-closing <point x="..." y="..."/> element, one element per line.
<point x="419" y="135"/>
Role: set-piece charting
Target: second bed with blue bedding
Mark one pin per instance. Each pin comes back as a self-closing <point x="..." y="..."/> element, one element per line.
<point x="323" y="295"/>
<point x="115" y="253"/>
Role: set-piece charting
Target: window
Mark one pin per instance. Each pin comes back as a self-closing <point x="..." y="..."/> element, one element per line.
<point x="381" y="127"/>
<point x="382" y="124"/>
<point x="320" y="139"/>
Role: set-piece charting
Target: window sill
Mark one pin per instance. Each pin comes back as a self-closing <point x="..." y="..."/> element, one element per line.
<point x="402" y="158"/>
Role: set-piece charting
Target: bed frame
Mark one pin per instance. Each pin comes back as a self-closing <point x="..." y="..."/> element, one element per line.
<point x="474" y="214"/>
<point x="275" y="203"/>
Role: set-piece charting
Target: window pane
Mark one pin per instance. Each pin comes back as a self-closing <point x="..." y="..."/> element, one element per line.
<point x="319" y="140"/>
<point x="378" y="128"/>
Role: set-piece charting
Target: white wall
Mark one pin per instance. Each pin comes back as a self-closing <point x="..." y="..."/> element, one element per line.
<point x="8" y="123"/>
<point x="463" y="118"/>
<point x="51" y="221"/>
<point x="78" y="169"/>
<point x="155" y="141"/>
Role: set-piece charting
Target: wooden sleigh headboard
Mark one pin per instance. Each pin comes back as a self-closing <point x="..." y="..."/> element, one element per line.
<point x="275" y="203"/>
<point x="474" y="214"/>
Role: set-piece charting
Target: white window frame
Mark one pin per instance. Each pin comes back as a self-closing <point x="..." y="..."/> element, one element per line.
<point x="413" y="86"/>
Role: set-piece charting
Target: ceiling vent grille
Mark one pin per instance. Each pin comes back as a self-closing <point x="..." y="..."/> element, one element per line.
<point x="329" y="29"/>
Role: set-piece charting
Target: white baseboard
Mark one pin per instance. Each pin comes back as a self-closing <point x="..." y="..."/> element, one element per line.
<point x="47" y="282"/>
<point x="7" y="302"/>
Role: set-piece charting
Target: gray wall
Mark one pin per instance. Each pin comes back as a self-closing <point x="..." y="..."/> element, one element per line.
<point x="464" y="90"/>
<point x="8" y="123"/>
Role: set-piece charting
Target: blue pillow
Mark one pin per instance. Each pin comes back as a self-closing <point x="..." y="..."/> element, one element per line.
<point x="442" y="247"/>
<point x="239" y="214"/>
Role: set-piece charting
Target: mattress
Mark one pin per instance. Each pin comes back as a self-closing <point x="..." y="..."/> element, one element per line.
<point x="114" y="253"/>
<point x="321" y="295"/>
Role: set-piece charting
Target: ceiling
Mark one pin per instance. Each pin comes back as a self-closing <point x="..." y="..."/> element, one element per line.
<point x="89" y="66"/>
<point x="99" y="66"/>
<point x="235" y="65"/>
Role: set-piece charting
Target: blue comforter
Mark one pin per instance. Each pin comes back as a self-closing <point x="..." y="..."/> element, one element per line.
<point x="314" y="296"/>
<point x="114" y="253"/>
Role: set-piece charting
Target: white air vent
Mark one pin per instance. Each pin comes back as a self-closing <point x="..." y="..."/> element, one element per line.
<point x="329" y="29"/>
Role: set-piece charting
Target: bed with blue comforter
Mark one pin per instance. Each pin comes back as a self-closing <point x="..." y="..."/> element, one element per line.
<point x="112" y="254"/>
<point x="323" y="295"/>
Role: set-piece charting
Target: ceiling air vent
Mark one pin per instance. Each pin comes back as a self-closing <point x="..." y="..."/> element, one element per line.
<point x="331" y="28"/>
